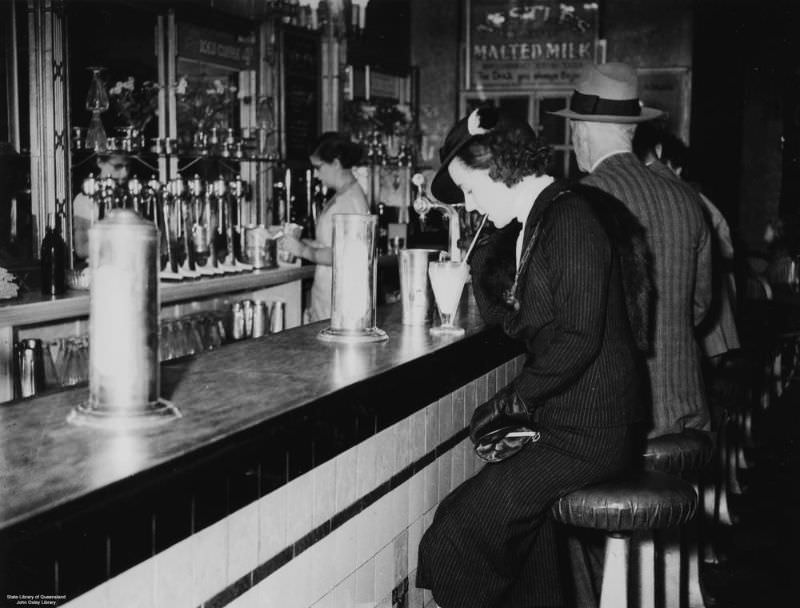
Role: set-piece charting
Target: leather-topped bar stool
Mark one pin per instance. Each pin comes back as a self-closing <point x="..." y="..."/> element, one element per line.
<point x="645" y="501"/>
<point x="686" y="455"/>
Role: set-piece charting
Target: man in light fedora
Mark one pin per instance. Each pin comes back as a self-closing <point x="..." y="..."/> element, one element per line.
<point x="603" y="113"/>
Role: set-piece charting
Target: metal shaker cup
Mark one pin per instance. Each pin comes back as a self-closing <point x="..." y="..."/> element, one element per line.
<point x="237" y="321"/>
<point x="354" y="281"/>
<point x="30" y="368"/>
<point x="248" y="309"/>
<point x="415" y="292"/>
<point x="260" y="319"/>
<point x="277" y="316"/>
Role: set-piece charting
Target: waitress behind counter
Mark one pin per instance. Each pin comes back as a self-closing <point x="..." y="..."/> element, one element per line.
<point x="333" y="159"/>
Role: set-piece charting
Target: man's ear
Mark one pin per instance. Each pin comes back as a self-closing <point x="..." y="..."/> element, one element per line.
<point x="658" y="149"/>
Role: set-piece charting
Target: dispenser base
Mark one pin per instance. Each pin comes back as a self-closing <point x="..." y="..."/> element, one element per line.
<point x="330" y="334"/>
<point x="161" y="412"/>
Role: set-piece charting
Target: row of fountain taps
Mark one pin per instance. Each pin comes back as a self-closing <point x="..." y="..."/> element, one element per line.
<point x="205" y="217"/>
<point x="200" y="221"/>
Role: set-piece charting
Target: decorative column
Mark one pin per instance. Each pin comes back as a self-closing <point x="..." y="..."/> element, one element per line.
<point x="334" y="52"/>
<point x="49" y="115"/>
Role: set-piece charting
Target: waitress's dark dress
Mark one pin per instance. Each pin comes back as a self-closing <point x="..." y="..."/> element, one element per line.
<point x="492" y="541"/>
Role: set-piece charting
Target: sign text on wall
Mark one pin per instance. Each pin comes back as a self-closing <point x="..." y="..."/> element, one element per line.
<point x="519" y="44"/>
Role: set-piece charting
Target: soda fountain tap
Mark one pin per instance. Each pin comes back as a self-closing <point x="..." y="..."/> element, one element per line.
<point x="105" y="191"/>
<point x="236" y="187"/>
<point x="151" y="193"/>
<point x="424" y="205"/>
<point x="135" y="191"/>
<point x="91" y="187"/>
<point x="199" y="207"/>
<point x="237" y="190"/>
<point x="222" y="240"/>
<point x="156" y="208"/>
<point x="177" y="196"/>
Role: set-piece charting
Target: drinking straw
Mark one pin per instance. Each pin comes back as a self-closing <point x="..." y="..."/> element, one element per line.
<point x="474" y="240"/>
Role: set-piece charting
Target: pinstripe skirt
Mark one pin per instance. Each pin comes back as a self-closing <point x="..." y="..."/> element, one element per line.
<point x="492" y="542"/>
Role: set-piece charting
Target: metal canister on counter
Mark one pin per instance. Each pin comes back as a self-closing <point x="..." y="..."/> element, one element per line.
<point x="124" y="371"/>
<point x="260" y="247"/>
<point x="260" y="319"/>
<point x="277" y="316"/>
<point x="237" y="321"/>
<point x="248" y="308"/>
<point x="123" y="313"/>
<point x="30" y="368"/>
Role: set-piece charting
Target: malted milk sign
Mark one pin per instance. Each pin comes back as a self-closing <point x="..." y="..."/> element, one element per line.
<point x="518" y="44"/>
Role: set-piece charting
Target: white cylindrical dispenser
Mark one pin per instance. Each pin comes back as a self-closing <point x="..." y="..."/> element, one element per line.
<point x="124" y="371"/>
<point x="354" y="280"/>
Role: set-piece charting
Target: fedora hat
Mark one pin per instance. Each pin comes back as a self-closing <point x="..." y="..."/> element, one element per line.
<point x="607" y="92"/>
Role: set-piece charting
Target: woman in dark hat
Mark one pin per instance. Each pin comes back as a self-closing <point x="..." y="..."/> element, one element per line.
<point x="566" y="275"/>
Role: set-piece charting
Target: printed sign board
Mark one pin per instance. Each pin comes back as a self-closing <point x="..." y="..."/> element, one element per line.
<point x="215" y="47"/>
<point x="524" y="44"/>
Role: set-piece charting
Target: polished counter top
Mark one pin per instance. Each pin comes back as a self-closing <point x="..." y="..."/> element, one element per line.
<point x="33" y="307"/>
<point x="46" y="462"/>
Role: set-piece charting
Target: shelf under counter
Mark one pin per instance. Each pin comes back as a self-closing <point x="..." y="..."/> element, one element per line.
<point x="32" y="308"/>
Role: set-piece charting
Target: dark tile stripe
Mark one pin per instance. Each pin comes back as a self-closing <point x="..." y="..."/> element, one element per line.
<point x="251" y="579"/>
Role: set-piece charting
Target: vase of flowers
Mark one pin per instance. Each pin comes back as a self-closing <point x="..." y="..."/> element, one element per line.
<point x="134" y="104"/>
<point x="381" y="123"/>
<point x="204" y="104"/>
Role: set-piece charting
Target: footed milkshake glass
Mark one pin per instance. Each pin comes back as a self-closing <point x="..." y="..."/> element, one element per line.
<point x="447" y="282"/>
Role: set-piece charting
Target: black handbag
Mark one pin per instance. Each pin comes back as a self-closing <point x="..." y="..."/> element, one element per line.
<point x="501" y="427"/>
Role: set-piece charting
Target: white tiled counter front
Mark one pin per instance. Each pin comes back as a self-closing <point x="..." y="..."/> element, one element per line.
<point x="315" y="494"/>
<point x="356" y="564"/>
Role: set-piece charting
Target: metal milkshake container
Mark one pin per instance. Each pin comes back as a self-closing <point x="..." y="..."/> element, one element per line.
<point x="124" y="371"/>
<point x="237" y="321"/>
<point x="248" y="308"/>
<point x="415" y="290"/>
<point x="260" y="319"/>
<point x="353" y="288"/>
<point x="277" y="316"/>
<point x="30" y="368"/>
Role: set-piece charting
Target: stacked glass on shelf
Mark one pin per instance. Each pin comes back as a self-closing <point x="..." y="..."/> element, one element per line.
<point x="201" y="222"/>
<point x="205" y="331"/>
<point x="216" y="142"/>
<point x="63" y="362"/>
<point x="385" y="149"/>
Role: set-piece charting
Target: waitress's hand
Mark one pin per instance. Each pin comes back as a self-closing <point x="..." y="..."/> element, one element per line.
<point x="292" y="245"/>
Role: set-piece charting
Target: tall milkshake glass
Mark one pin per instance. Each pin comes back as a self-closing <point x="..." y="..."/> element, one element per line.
<point x="447" y="282"/>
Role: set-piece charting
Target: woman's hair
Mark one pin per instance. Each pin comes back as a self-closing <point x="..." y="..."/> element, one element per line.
<point x="510" y="150"/>
<point x="332" y="145"/>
